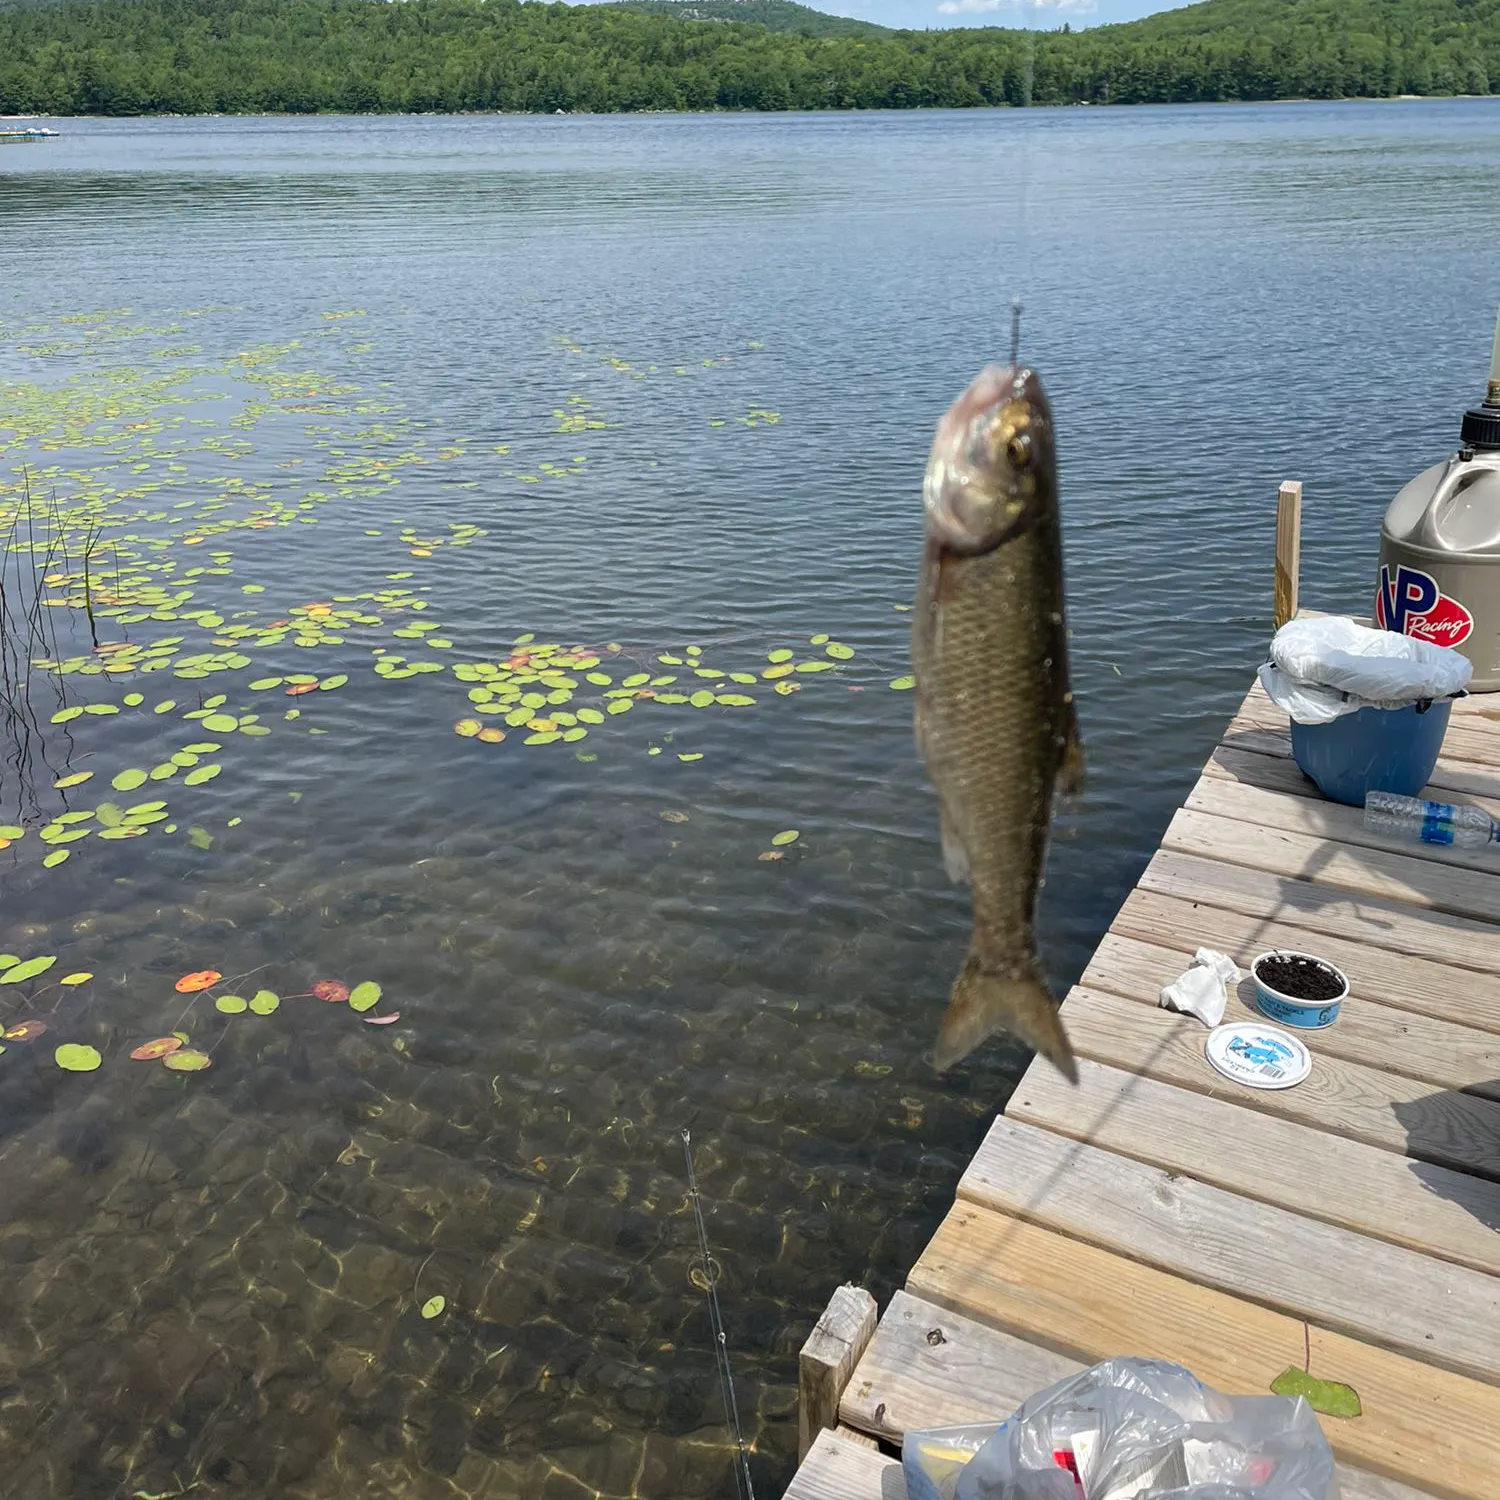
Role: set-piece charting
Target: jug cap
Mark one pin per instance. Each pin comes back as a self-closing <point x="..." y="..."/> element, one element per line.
<point x="1481" y="424"/>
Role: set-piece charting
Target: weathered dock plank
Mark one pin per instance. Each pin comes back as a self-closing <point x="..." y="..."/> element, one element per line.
<point x="1090" y="1303"/>
<point x="931" y="1367"/>
<point x="1437" y="991"/>
<point x="1371" y="1290"/>
<point x="1440" y="1212"/>
<point x="1380" y="1036"/>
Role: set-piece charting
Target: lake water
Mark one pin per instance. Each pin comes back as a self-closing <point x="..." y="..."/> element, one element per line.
<point x="312" y="395"/>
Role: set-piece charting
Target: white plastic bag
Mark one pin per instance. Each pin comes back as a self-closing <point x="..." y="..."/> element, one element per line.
<point x="1127" y="1429"/>
<point x="1325" y="667"/>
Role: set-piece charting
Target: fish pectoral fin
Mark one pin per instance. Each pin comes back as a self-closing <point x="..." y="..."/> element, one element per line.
<point x="955" y="854"/>
<point x="984" y="1002"/>
<point x="1070" y="765"/>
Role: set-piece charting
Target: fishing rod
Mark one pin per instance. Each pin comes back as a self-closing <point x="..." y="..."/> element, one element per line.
<point x="742" y="1483"/>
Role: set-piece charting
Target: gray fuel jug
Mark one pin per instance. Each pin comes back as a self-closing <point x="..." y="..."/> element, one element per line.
<point x="1440" y="546"/>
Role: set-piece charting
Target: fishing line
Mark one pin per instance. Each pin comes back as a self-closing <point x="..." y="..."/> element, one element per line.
<point x="742" y="1484"/>
<point x="1023" y="247"/>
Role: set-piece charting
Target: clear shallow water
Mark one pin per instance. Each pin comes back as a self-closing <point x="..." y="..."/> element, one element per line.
<point x="217" y="1277"/>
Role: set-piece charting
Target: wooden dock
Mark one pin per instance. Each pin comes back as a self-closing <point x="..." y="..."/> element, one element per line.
<point x="1350" y="1224"/>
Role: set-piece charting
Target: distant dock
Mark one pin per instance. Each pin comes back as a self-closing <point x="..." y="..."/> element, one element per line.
<point x="1350" y="1224"/>
<point x="10" y="137"/>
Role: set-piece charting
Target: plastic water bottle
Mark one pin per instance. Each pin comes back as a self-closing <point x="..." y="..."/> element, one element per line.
<point x="1432" y="822"/>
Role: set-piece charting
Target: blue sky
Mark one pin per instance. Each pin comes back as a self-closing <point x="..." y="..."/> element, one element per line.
<point x="1046" y="14"/>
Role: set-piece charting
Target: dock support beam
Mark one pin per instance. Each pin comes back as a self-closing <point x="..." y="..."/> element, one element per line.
<point x="828" y="1359"/>
<point x="1288" y="549"/>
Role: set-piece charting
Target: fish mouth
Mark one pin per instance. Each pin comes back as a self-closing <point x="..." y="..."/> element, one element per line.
<point x="974" y="497"/>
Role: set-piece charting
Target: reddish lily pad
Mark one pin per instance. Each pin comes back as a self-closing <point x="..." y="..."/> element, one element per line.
<point x="331" y="990"/>
<point x="297" y="689"/>
<point x="158" y="1047"/>
<point x="395" y="1015"/>
<point x="24" y="1031"/>
<point x="191" y="983"/>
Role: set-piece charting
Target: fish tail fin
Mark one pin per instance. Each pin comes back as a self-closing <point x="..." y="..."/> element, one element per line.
<point x="984" y="1002"/>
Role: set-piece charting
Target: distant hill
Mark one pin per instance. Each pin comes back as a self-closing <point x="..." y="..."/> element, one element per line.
<point x="130" y="57"/>
<point x="774" y="15"/>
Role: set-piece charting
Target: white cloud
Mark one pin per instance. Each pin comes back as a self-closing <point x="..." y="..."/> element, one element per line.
<point x="987" y="7"/>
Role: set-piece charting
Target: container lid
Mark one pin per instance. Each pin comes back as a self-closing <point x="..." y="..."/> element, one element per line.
<point x="1259" y="1056"/>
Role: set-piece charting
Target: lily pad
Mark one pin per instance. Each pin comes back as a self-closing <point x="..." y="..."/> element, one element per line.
<point x="76" y="779"/>
<point x="786" y="836"/>
<point x="221" y="723"/>
<point x="73" y="1057"/>
<point x="336" y="681"/>
<point x="28" y="970"/>
<point x="702" y="698"/>
<point x="903" y="684"/>
<point x="80" y="978"/>
<point x="468" y="728"/>
<point x="384" y="1020"/>
<point x="331" y="990"/>
<point x="433" y="1306"/>
<point x="491" y="735"/>
<point x="201" y="979"/>
<point x="200" y="838"/>
<point x="187" y="1060"/>
<point x="838" y="651"/>
<point x="779" y="655"/>
<point x="264" y="1002"/>
<point x="24" y="1031"/>
<point x="128" y="781"/>
<point x="232" y="1005"/>
<point x="263" y="684"/>
<point x="735" y="700"/>
<point x="364" y="996"/>
<point x="55" y="858"/>
<point x="200" y="774"/>
<point x="1330" y="1397"/>
<point x="159" y="1047"/>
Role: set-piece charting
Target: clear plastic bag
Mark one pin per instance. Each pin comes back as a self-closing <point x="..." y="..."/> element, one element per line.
<point x="1124" y="1430"/>
<point x="1325" y="667"/>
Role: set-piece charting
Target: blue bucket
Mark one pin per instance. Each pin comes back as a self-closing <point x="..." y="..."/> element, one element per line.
<point x="1372" y="750"/>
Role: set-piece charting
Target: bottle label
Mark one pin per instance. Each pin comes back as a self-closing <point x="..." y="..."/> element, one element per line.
<point x="1437" y="823"/>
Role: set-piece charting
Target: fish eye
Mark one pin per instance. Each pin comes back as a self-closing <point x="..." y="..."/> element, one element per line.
<point x="1018" y="450"/>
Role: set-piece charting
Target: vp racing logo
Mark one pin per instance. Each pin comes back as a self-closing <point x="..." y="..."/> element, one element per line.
<point x="1410" y="602"/>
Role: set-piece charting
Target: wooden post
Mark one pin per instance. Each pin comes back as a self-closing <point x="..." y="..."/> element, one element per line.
<point x="828" y="1359"/>
<point x="1288" y="549"/>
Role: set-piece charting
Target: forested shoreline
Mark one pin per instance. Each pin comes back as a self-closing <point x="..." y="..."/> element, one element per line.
<point x="131" y="57"/>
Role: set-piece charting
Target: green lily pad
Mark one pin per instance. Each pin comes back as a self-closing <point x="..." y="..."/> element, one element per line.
<point x="1330" y="1397"/>
<point x="264" y="1002"/>
<point x="337" y="681"/>
<point x="820" y="639"/>
<point x="101" y="710"/>
<point x="133" y="700"/>
<point x="57" y="857"/>
<point x="201" y="774"/>
<point x="838" y="651"/>
<point x="28" y="970"/>
<point x="691" y="755"/>
<point x="186" y="1060"/>
<point x="165" y="707"/>
<point x="620" y="706"/>
<point x="903" y="684"/>
<point x="815" y="666"/>
<point x="254" y="731"/>
<point x="779" y="655"/>
<point x="232" y="1005"/>
<point x="221" y="723"/>
<point x="200" y="838"/>
<point x="364" y="996"/>
<point x="72" y="1057"/>
<point x="67" y="715"/>
<point x="702" y="698"/>
<point x="128" y="781"/>
<point x="433" y="1306"/>
<point x="786" y="836"/>
<point x="735" y="700"/>
<point x="76" y="779"/>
